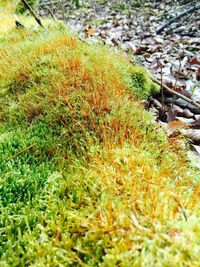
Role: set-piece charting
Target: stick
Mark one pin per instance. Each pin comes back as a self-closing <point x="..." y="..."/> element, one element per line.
<point x="51" y="13"/>
<point x="22" y="151"/>
<point x="169" y="22"/>
<point x="32" y="12"/>
<point x="194" y="103"/>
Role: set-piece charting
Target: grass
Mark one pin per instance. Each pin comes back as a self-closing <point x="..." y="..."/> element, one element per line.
<point x="101" y="185"/>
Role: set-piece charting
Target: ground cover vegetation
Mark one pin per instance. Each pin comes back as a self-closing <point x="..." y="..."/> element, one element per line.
<point x="86" y="177"/>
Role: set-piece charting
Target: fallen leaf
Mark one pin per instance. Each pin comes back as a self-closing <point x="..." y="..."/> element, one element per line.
<point x="193" y="134"/>
<point x="194" y="61"/>
<point x="173" y="126"/>
<point x="171" y="114"/>
<point x="196" y="149"/>
<point x="90" y="31"/>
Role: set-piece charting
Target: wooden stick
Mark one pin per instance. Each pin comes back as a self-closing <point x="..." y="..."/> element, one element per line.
<point x="32" y="12"/>
<point x="169" y="22"/>
<point x="22" y="151"/>
<point x="191" y="101"/>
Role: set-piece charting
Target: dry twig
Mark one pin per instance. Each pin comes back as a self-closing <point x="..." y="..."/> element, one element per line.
<point x="22" y="151"/>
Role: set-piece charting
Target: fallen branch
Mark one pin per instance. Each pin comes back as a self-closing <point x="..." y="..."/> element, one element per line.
<point x="169" y="22"/>
<point x="191" y="101"/>
<point x="32" y="12"/>
<point x="22" y="151"/>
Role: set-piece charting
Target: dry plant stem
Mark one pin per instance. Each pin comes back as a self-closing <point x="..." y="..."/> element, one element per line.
<point x="181" y="208"/>
<point x="32" y="12"/>
<point x="161" y="76"/>
<point x="51" y="13"/>
<point x="194" y="103"/>
<point x="179" y="68"/>
<point x="22" y="151"/>
<point x="169" y="22"/>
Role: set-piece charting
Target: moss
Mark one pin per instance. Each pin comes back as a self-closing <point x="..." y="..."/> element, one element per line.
<point x="86" y="177"/>
<point x="143" y="85"/>
<point x="21" y="9"/>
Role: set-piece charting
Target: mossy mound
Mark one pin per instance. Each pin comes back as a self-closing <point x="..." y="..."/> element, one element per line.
<point x="86" y="177"/>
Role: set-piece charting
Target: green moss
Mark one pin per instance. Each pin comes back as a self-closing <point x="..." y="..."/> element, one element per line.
<point x="143" y="86"/>
<point x="86" y="177"/>
<point x="21" y="9"/>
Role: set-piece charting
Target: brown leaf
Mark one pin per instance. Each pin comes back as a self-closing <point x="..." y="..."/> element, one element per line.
<point x="196" y="149"/>
<point x="141" y="49"/>
<point x="193" y="134"/>
<point x="171" y="114"/>
<point x="90" y="31"/>
<point x="173" y="126"/>
<point x="179" y="89"/>
<point x="196" y="124"/>
<point x="194" y="61"/>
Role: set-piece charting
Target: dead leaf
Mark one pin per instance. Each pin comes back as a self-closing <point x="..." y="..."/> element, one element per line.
<point x="90" y="31"/>
<point x="196" y="149"/>
<point x="187" y="113"/>
<point x="173" y="126"/>
<point x="141" y="49"/>
<point x="196" y="124"/>
<point x="194" y="61"/>
<point x="171" y="114"/>
<point x="193" y="134"/>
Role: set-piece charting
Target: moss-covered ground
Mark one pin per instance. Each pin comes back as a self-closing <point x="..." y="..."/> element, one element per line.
<point x="86" y="177"/>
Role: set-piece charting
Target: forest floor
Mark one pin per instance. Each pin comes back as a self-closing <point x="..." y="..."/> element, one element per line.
<point x="131" y="26"/>
<point x="171" y="56"/>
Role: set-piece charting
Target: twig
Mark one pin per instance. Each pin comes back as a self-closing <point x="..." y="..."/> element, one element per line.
<point x="162" y="91"/>
<point x="32" y="12"/>
<point x="181" y="208"/>
<point x="169" y="22"/>
<point x="51" y="13"/>
<point x="194" y="103"/>
<point x="22" y="151"/>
